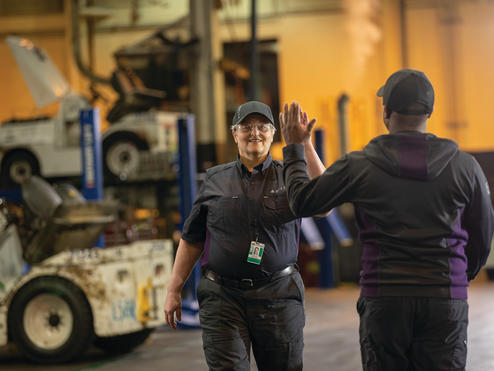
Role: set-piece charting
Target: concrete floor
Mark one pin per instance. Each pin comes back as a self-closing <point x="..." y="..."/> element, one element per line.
<point x="331" y="339"/>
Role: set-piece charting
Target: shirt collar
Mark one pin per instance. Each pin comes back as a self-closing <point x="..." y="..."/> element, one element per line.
<point x="259" y="168"/>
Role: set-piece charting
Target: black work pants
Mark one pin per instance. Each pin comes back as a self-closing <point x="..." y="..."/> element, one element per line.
<point x="271" y="318"/>
<point x="413" y="333"/>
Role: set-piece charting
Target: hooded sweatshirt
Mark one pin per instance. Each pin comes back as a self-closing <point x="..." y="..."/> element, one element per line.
<point x="422" y="209"/>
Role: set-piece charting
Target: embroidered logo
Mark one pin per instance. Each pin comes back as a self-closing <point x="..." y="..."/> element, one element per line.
<point x="278" y="190"/>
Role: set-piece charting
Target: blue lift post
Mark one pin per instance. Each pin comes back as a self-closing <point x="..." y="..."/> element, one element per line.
<point x="91" y="154"/>
<point x="326" y="279"/>
<point x="187" y="176"/>
<point x="332" y="224"/>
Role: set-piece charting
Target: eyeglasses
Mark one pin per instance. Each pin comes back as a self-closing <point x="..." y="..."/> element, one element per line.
<point x="263" y="128"/>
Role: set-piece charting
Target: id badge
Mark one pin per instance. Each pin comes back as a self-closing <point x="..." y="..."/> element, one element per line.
<point x="255" y="252"/>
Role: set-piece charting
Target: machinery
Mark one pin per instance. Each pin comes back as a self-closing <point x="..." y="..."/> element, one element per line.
<point x="71" y="295"/>
<point x="138" y="146"/>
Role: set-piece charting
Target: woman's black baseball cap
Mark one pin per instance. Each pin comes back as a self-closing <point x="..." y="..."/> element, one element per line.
<point x="252" y="107"/>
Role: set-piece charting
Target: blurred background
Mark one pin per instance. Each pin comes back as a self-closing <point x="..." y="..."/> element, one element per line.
<point x="312" y="51"/>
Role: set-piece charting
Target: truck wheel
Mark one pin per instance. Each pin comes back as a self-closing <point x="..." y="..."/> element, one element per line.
<point x="122" y="343"/>
<point x="50" y="320"/>
<point x="121" y="156"/>
<point x="17" y="167"/>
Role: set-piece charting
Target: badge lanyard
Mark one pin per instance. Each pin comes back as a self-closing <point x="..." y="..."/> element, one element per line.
<point x="256" y="249"/>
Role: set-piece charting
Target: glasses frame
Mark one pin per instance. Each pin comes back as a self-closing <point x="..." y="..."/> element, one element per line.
<point x="267" y="125"/>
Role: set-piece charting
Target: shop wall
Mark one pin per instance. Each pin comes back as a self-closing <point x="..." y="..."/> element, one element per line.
<point x="321" y="55"/>
<point x="456" y="47"/>
<point x="324" y="54"/>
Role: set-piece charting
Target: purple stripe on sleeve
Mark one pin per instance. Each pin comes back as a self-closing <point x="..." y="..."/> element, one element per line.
<point x="370" y="254"/>
<point x="458" y="260"/>
<point x="412" y="156"/>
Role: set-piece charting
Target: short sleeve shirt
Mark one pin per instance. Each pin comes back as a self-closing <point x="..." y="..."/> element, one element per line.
<point x="235" y="207"/>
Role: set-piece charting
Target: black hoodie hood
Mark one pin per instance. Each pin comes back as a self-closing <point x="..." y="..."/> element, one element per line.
<point x="412" y="155"/>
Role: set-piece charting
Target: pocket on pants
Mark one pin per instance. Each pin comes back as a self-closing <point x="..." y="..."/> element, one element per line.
<point x="226" y="353"/>
<point x="369" y="357"/>
<point x="360" y="306"/>
<point x="459" y="356"/>
<point x="458" y="312"/>
<point x="299" y="283"/>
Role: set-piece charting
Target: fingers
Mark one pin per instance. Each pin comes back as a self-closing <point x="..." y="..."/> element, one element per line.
<point x="310" y="125"/>
<point x="284" y="116"/>
<point x="171" y="310"/>
<point x="293" y="115"/>
<point x="170" y="320"/>
<point x="294" y="112"/>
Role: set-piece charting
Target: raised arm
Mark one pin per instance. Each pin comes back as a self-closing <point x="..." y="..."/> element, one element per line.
<point x="295" y="121"/>
<point x="315" y="167"/>
<point x="187" y="255"/>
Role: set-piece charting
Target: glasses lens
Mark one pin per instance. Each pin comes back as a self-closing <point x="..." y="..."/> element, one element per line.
<point x="263" y="128"/>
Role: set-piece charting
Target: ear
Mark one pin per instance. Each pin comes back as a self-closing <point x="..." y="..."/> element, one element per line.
<point x="387" y="112"/>
<point x="386" y="116"/>
<point x="234" y="134"/>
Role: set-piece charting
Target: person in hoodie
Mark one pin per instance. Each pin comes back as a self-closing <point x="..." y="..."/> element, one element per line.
<point x="425" y="222"/>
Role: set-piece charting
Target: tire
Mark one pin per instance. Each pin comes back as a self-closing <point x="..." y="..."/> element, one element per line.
<point x="50" y="320"/>
<point x="122" y="343"/>
<point x="17" y="166"/>
<point x="121" y="156"/>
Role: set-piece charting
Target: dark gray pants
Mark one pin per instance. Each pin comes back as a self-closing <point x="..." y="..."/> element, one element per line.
<point x="413" y="333"/>
<point x="271" y="318"/>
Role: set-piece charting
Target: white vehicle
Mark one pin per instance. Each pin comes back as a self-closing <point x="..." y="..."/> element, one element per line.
<point x="74" y="295"/>
<point x="140" y="146"/>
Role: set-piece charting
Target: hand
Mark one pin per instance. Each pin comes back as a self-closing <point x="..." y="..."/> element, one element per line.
<point x="173" y="305"/>
<point x="295" y="124"/>
<point x="306" y="124"/>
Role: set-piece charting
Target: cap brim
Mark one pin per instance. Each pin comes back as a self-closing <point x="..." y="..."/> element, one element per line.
<point x="241" y="118"/>
<point x="380" y="92"/>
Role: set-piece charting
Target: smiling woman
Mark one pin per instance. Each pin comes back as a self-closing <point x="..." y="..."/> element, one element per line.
<point x="253" y="135"/>
<point x="248" y="238"/>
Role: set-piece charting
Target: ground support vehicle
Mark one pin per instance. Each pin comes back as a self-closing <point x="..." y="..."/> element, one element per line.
<point x="70" y="297"/>
<point x="137" y="147"/>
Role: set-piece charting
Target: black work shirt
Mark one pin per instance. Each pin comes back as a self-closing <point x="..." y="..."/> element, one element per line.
<point x="235" y="207"/>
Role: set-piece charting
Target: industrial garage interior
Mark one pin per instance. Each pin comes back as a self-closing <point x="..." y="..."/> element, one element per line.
<point x="111" y="113"/>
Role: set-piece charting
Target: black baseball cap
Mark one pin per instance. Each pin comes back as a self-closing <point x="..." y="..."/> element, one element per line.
<point x="405" y="87"/>
<point x="252" y="107"/>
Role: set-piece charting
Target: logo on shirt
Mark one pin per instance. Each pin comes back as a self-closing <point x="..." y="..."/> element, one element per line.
<point x="278" y="190"/>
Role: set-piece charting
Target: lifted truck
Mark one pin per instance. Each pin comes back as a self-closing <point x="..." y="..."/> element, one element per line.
<point x="73" y="295"/>
<point x="139" y="146"/>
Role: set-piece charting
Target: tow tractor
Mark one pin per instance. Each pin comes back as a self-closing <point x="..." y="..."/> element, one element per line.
<point x="58" y="293"/>
<point x="140" y="146"/>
